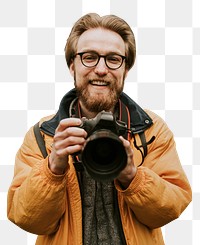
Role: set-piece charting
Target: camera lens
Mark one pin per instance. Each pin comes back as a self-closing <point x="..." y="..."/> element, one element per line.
<point x="104" y="155"/>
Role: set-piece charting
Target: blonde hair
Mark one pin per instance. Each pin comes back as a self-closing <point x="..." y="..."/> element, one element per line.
<point x="109" y="22"/>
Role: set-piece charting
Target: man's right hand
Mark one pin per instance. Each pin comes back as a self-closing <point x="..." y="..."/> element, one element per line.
<point x="68" y="139"/>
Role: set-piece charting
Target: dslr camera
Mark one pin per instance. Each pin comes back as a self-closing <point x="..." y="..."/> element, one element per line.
<point x="103" y="154"/>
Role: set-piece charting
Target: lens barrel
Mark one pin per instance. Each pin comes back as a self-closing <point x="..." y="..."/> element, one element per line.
<point x="104" y="155"/>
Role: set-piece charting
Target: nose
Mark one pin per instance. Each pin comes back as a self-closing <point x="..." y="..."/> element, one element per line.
<point x="101" y="68"/>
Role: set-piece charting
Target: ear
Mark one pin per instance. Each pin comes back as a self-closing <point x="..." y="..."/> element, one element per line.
<point x="125" y="73"/>
<point x="71" y="68"/>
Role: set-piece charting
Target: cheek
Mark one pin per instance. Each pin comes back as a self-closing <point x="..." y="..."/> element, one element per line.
<point x="120" y="75"/>
<point x="121" y="79"/>
<point x="80" y="72"/>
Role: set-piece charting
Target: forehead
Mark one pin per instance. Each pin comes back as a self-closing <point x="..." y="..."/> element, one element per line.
<point x="102" y="41"/>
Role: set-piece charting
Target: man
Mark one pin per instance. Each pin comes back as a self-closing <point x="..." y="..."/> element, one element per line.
<point x="49" y="197"/>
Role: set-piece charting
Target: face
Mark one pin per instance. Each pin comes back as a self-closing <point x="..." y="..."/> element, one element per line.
<point x="99" y="87"/>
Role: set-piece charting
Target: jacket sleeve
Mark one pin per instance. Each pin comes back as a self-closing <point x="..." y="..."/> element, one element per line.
<point x="160" y="190"/>
<point x="35" y="193"/>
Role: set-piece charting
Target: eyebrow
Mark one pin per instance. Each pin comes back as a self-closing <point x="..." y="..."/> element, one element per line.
<point x="94" y="51"/>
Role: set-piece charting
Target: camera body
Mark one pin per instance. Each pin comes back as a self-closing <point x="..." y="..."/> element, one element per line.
<point x="103" y="154"/>
<point x="103" y="120"/>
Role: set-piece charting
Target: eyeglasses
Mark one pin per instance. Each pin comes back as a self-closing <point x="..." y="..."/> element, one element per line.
<point x="91" y="59"/>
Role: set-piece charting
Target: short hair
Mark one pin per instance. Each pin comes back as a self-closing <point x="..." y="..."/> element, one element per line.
<point x="109" y="22"/>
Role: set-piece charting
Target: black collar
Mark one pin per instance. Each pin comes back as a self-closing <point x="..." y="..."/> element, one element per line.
<point x="140" y="120"/>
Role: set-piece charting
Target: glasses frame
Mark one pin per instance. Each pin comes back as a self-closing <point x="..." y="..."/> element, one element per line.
<point x="99" y="57"/>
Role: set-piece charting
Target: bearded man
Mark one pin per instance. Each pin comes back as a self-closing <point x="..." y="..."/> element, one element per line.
<point x="66" y="205"/>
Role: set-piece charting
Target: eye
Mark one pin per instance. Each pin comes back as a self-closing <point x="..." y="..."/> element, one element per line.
<point x="114" y="58"/>
<point x="89" y="57"/>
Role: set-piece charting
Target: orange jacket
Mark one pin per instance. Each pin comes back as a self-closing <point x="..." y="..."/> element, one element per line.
<point x="50" y="205"/>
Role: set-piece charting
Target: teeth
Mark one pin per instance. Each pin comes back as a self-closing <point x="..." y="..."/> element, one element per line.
<point x="99" y="83"/>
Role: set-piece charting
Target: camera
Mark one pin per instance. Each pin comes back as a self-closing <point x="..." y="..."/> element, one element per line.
<point x="103" y="154"/>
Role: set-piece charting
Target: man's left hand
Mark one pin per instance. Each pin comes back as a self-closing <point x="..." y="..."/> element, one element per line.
<point x="128" y="173"/>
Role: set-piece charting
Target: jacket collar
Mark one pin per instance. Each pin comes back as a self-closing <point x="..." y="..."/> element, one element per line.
<point x="139" y="118"/>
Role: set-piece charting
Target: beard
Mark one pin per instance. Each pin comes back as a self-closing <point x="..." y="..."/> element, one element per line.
<point x="98" y="102"/>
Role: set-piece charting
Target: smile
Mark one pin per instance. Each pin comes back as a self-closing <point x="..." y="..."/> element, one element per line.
<point x="99" y="83"/>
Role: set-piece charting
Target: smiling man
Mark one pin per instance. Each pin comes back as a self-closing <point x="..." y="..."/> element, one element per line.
<point x="56" y="196"/>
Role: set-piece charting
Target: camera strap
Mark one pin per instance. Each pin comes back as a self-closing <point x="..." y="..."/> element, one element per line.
<point x="40" y="140"/>
<point x="124" y="115"/>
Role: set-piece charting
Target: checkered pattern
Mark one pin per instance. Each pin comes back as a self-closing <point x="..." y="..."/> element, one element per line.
<point x="165" y="79"/>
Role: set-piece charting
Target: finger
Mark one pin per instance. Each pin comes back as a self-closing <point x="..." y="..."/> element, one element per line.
<point x="68" y="132"/>
<point x="127" y="146"/>
<point x="69" y="150"/>
<point x="70" y="141"/>
<point x="68" y="122"/>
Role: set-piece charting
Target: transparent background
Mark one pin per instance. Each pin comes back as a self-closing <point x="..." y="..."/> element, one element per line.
<point x="165" y="79"/>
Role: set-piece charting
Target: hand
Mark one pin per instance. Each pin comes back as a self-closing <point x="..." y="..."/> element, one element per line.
<point x="68" y="139"/>
<point x="128" y="173"/>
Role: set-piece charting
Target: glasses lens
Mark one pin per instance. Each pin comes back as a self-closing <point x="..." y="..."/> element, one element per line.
<point x="90" y="59"/>
<point x="114" y="61"/>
